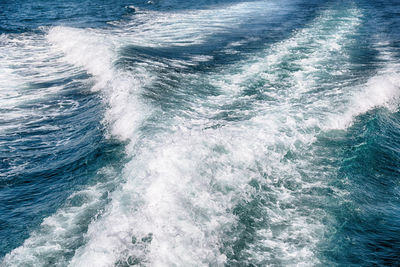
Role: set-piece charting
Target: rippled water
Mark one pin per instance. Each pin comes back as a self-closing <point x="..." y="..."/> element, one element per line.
<point x="204" y="133"/>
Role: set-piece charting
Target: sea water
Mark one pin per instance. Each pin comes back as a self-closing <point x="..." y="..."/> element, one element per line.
<point x="199" y="133"/>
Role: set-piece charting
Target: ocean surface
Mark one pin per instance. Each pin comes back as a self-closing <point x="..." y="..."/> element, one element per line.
<point x="200" y="133"/>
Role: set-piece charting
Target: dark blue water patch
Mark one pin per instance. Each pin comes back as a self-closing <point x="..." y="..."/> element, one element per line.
<point x="22" y="15"/>
<point x="367" y="228"/>
<point x="377" y="32"/>
<point x="383" y="20"/>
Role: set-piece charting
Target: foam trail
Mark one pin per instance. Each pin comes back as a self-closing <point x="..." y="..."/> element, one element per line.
<point x="177" y="204"/>
<point x="58" y="235"/>
<point x="188" y="186"/>
<point x="185" y="28"/>
<point x="294" y="84"/>
<point x="95" y="52"/>
<point x="299" y="112"/>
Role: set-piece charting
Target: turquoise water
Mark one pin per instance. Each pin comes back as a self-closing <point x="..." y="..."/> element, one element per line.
<point x="199" y="133"/>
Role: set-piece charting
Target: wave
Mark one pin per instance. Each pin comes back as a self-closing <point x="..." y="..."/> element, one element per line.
<point x="183" y="192"/>
<point x="229" y="177"/>
<point x="381" y="90"/>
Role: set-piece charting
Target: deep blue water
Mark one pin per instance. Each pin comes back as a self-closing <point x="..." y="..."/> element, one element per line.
<point x="187" y="133"/>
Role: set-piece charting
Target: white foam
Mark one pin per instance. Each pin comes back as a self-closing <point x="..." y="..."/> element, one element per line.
<point x="191" y="27"/>
<point x="381" y="90"/>
<point x="70" y="51"/>
<point x="95" y="52"/>
<point x="85" y="48"/>
<point x="180" y="187"/>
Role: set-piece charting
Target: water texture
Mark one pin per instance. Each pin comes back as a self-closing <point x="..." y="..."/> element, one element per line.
<point x="199" y="133"/>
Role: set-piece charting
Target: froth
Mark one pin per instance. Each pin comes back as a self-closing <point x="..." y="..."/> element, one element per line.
<point x="381" y="90"/>
<point x="95" y="52"/>
<point x="183" y="189"/>
<point x="85" y="48"/>
<point x="177" y="205"/>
